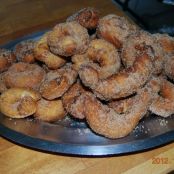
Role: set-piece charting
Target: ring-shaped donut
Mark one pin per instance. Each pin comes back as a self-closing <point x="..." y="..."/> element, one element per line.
<point x="139" y="43"/>
<point x="67" y="39"/>
<point x="18" y="102"/>
<point x="43" y="54"/>
<point x="102" y="55"/>
<point x="114" y="29"/>
<point x="24" y="75"/>
<point x="57" y="82"/>
<point x="105" y="121"/>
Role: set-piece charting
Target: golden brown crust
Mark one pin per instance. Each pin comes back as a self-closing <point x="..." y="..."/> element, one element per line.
<point x="7" y="58"/>
<point x="18" y="102"/>
<point x="24" y="75"/>
<point x="87" y="17"/>
<point x="67" y="39"/>
<point x="49" y="111"/>
<point x="43" y="54"/>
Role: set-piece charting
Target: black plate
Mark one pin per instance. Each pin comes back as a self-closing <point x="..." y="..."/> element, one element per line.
<point x="72" y="137"/>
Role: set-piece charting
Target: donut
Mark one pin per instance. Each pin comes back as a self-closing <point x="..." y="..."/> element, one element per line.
<point x="18" y="102"/>
<point x="57" y="82"/>
<point x="73" y="101"/>
<point x="7" y="58"/>
<point x="124" y="104"/>
<point x="105" y="121"/>
<point x="114" y="29"/>
<point x="43" y="54"/>
<point x="139" y="43"/>
<point x="2" y="84"/>
<point x="67" y="39"/>
<point x="87" y="17"/>
<point x="166" y="42"/>
<point x="104" y="53"/>
<point x="169" y="67"/>
<point x="24" y="75"/>
<point x="104" y="58"/>
<point x="49" y="111"/>
<point x="24" y="51"/>
<point x="119" y="85"/>
<point x="163" y="103"/>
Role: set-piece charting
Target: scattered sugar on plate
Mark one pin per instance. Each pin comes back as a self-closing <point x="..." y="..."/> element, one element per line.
<point x="163" y="122"/>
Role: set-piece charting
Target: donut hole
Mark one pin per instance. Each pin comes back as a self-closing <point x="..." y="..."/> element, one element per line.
<point x="98" y="62"/>
<point x="92" y="32"/>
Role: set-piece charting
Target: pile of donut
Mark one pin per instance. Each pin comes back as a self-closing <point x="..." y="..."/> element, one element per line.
<point x="105" y="71"/>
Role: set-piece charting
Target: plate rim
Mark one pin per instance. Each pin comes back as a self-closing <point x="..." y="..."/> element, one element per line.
<point x="87" y="150"/>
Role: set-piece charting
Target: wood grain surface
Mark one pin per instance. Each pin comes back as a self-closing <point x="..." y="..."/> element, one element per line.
<point x="21" y="17"/>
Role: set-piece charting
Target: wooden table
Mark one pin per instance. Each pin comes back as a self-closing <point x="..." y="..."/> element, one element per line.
<point x="19" y="17"/>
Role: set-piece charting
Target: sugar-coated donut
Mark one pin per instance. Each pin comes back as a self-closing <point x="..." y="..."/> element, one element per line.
<point x="102" y="55"/>
<point x="18" y="102"/>
<point x="57" y="82"/>
<point x="49" y="111"/>
<point x="24" y="51"/>
<point x="7" y="58"/>
<point x="24" y="75"/>
<point x="43" y="54"/>
<point x="106" y="121"/>
<point x="139" y="43"/>
<point x="122" y="84"/>
<point x="114" y="29"/>
<point x="67" y="39"/>
<point x="87" y="17"/>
